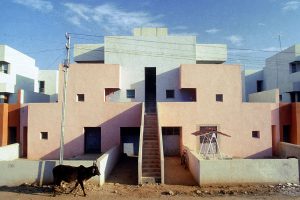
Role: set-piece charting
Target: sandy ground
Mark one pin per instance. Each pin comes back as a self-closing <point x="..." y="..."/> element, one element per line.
<point x="175" y="174"/>
<point x="121" y="191"/>
<point x="122" y="184"/>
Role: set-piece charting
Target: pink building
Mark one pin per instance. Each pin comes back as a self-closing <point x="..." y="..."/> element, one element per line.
<point x="185" y="86"/>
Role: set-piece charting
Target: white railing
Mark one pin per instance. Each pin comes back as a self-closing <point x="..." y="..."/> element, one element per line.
<point x="161" y="151"/>
<point x="140" y="159"/>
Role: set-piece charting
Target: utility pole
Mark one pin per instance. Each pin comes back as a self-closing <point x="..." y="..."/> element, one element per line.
<point x="279" y="40"/>
<point x="277" y="76"/>
<point x="64" y="103"/>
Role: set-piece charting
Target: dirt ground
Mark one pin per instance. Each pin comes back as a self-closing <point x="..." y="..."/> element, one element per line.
<point x="175" y="174"/>
<point x="122" y="184"/>
<point x="122" y="191"/>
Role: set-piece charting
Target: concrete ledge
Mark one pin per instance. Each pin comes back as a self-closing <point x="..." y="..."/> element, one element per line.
<point x="243" y="170"/>
<point x="289" y="150"/>
<point x="107" y="163"/>
<point x="20" y="171"/>
<point x="9" y="152"/>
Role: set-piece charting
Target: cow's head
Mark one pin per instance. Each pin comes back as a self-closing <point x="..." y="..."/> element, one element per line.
<point x="95" y="169"/>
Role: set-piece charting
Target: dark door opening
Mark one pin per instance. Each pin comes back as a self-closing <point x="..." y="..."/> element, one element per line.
<point x="25" y="142"/>
<point x="150" y="89"/>
<point x="12" y="135"/>
<point x="92" y="140"/>
<point x="130" y="137"/>
<point x="286" y="133"/>
<point x="171" y="141"/>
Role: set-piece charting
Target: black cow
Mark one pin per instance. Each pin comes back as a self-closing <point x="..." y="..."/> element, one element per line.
<point x="69" y="174"/>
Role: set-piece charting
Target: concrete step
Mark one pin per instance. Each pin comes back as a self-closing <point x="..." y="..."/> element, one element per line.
<point x="151" y="162"/>
<point x="154" y="156"/>
<point x="151" y="174"/>
<point x="152" y="170"/>
<point x="150" y="180"/>
<point x="151" y="165"/>
<point x="145" y="153"/>
<point x="150" y="137"/>
<point x="151" y="142"/>
<point x="150" y="146"/>
<point x="150" y="134"/>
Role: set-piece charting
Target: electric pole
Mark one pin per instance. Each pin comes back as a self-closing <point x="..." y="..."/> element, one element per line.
<point x="279" y="40"/>
<point x="64" y="102"/>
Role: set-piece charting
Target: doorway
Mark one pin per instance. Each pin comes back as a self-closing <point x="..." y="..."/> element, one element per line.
<point x="130" y="137"/>
<point x="287" y="133"/>
<point x="150" y="89"/>
<point x="12" y="135"/>
<point x="171" y="141"/>
<point x="25" y="142"/>
<point x="92" y="140"/>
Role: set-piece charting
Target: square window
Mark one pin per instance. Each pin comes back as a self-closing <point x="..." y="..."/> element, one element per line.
<point x="219" y="97"/>
<point x="41" y="86"/>
<point x="170" y="94"/>
<point x="80" y="97"/>
<point x="44" y="135"/>
<point x="255" y="134"/>
<point x="4" y="67"/>
<point x="130" y="94"/>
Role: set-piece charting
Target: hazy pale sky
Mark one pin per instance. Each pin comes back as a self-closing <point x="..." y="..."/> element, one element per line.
<point x="250" y="28"/>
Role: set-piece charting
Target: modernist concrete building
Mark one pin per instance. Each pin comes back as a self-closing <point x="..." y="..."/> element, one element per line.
<point x="282" y="71"/>
<point x="152" y="93"/>
<point x="21" y="82"/>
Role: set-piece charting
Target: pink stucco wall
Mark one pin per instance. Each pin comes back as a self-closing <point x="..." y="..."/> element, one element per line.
<point x="90" y="80"/>
<point x="231" y="116"/>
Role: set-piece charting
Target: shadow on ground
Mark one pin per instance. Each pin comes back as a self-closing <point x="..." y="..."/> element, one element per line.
<point x="29" y="189"/>
<point x="176" y="174"/>
<point x="125" y="172"/>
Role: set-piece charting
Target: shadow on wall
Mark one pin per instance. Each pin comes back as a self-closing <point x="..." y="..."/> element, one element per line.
<point x="110" y="134"/>
<point x="25" y="83"/>
<point x="169" y="80"/>
<point x="97" y="55"/>
<point x="267" y="153"/>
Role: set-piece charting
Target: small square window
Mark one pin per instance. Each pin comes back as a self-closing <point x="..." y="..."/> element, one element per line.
<point x="4" y="67"/>
<point x="219" y="97"/>
<point x="42" y="87"/>
<point x="80" y="97"/>
<point x="130" y="94"/>
<point x="255" y="134"/>
<point x="170" y="94"/>
<point x="44" y="135"/>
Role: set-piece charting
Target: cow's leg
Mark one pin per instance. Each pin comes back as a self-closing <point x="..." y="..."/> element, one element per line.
<point x="56" y="183"/>
<point x="74" y="188"/>
<point x="82" y="187"/>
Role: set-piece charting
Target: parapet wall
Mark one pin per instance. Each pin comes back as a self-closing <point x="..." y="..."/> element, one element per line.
<point x="239" y="171"/>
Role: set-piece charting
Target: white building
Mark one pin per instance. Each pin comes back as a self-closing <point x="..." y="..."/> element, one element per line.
<point x="19" y="72"/>
<point x="160" y="53"/>
<point x="281" y="71"/>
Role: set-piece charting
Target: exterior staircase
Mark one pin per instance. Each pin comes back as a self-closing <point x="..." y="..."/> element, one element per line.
<point x="151" y="171"/>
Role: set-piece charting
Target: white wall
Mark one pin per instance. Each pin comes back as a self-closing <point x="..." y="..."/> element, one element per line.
<point x="20" y="171"/>
<point x="250" y="80"/>
<point x="51" y="81"/>
<point x="269" y="96"/>
<point x="88" y="52"/>
<point x="107" y="162"/>
<point x="134" y="53"/>
<point x="9" y="152"/>
<point x="215" y="53"/>
<point x="277" y="72"/>
<point x="243" y="170"/>
<point x="22" y="70"/>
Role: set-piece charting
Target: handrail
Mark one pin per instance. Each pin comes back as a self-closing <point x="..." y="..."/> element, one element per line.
<point x="140" y="159"/>
<point x="161" y="150"/>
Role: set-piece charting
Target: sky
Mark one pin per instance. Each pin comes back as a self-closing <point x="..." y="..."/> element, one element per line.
<point x="250" y="28"/>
